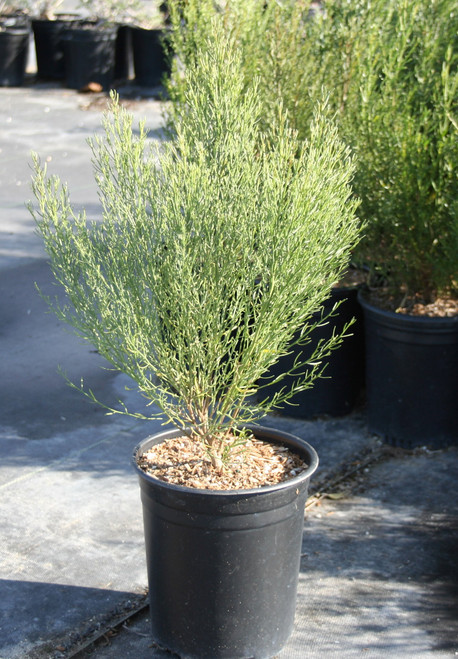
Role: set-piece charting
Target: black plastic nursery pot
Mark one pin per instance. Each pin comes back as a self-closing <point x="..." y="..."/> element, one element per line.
<point x="14" y="48"/>
<point x="123" y="65"/>
<point x="89" y="54"/>
<point x="149" y="57"/>
<point x="411" y="377"/>
<point x="49" y="49"/>
<point x="338" y="392"/>
<point x="223" y="565"/>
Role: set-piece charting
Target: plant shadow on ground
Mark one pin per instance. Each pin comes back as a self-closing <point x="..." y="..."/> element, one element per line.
<point x="35" y="398"/>
<point x="387" y="559"/>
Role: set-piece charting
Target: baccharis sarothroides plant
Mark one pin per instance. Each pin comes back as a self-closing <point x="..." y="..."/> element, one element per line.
<point x="214" y="251"/>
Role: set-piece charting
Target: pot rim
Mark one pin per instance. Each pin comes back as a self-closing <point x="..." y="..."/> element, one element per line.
<point x="269" y="434"/>
<point x="16" y="31"/>
<point x="405" y="319"/>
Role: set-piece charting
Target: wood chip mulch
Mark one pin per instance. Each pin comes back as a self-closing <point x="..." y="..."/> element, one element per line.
<point x="442" y="307"/>
<point x="184" y="461"/>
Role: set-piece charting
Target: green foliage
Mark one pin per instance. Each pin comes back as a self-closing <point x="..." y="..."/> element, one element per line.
<point x="402" y="124"/>
<point x="214" y="250"/>
<point x="297" y="53"/>
<point x="388" y="69"/>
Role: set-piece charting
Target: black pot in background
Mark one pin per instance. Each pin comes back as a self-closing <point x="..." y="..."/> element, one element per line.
<point x="149" y="56"/>
<point x="89" y="53"/>
<point x="14" y="48"/>
<point x="49" y="47"/>
<point x="411" y="377"/>
<point x="123" y="67"/>
<point x="223" y="565"/>
<point x="338" y="392"/>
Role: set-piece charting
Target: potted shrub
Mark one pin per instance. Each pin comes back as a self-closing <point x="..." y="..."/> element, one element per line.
<point x="14" y="43"/>
<point x="401" y="122"/>
<point x="215" y="248"/>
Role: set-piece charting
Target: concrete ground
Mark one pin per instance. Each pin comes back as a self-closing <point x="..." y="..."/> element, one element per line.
<point x="379" y="571"/>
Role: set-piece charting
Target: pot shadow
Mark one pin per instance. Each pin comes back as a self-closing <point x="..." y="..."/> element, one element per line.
<point x="35" y="617"/>
<point x="384" y="572"/>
